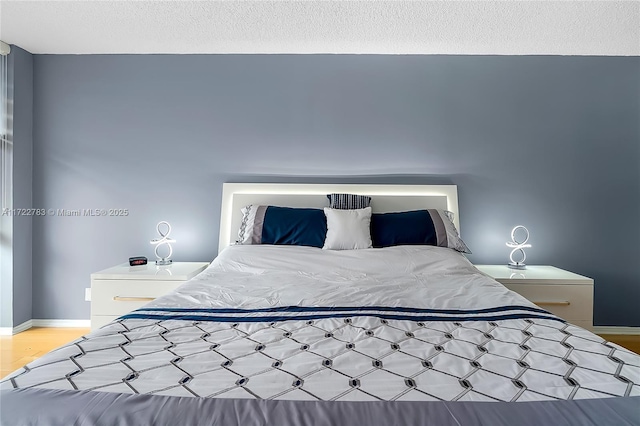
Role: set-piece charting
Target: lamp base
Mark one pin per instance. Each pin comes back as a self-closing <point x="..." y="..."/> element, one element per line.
<point x="164" y="262"/>
<point x="517" y="265"/>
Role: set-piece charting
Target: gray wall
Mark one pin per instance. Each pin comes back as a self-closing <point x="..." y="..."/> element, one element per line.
<point x="549" y="142"/>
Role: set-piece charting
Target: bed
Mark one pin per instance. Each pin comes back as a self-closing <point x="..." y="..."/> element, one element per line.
<point x="280" y="334"/>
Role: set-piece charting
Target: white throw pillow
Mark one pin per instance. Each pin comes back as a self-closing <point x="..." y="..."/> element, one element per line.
<point x="348" y="229"/>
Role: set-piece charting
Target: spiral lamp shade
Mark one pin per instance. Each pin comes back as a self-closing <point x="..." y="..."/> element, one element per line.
<point x="164" y="240"/>
<point x="518" y="246"/>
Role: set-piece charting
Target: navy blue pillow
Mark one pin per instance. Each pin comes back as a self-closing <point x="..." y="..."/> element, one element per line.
<point x="403" y="228"/>
<point x="292" y="226"/>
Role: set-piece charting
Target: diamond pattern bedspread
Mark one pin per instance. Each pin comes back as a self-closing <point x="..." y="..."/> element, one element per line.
<point x="350" y="358"/>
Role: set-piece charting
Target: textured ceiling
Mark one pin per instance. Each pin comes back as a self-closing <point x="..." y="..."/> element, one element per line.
<point x="417" y="27"/>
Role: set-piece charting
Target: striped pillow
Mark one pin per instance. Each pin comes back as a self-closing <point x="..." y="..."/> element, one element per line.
<point x="348" y="201"/>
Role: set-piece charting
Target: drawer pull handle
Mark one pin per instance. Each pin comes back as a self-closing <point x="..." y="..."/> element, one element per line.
<point x="554" y="303"/>
<point x="132" y="299"/>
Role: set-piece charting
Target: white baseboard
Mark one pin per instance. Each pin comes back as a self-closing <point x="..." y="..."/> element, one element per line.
<point x="616" y="330"/>
<point x="61" y="323"/>
<point x="10" y="331"/>
<point x="22" y="327"/>
<point x="53" y="323"/>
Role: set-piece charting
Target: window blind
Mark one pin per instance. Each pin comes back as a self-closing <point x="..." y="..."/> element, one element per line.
<point x="6" y="154"/>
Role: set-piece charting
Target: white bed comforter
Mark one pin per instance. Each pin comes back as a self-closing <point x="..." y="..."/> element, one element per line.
<point x="251" y="277"/>
<point x="402" y="323"/>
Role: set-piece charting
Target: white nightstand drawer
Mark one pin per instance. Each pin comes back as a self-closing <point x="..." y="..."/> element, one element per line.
<point x="570" y="302"/>
<point x="587" y="325"/>
<point x="118" y="297"/>
<point x="121" y="289"/>
<point x="563" y="293"/>
<point x="98" y="321"/>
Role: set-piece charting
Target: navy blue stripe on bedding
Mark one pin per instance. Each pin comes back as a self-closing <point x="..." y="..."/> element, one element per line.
<point x="348" y="308"/>
<point x="422" y="318"/>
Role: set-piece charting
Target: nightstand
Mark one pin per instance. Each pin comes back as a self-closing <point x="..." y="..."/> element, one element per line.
<point x="563" y="293"/>
<point x="123" y="288"/>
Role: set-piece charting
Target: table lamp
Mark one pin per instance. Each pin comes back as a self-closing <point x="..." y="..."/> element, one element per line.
<point x="164" y="240"/>
<point x="518" y="246"/>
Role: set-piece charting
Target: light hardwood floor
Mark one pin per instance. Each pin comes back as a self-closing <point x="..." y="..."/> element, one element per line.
<point x="24" y="347"/>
